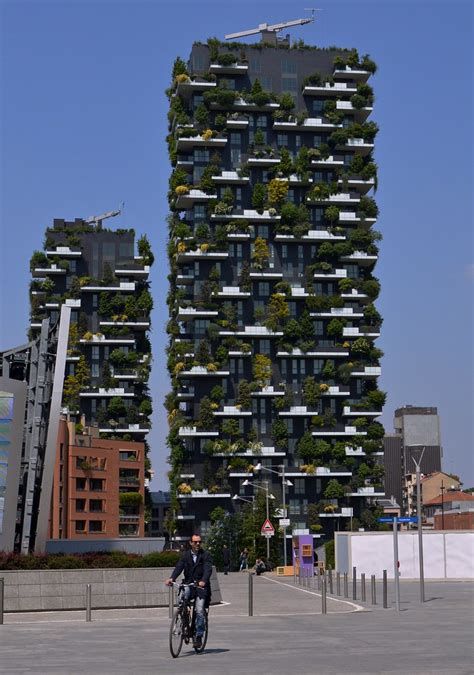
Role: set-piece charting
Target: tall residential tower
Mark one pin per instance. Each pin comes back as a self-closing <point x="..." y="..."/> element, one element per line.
<point x="272" y="317"/>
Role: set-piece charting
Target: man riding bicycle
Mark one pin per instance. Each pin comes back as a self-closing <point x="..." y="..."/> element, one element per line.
<point x="196" y="565"/>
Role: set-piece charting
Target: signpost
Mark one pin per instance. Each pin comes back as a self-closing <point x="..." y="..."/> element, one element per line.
<point x="396" y="575"/>
<point x="267" y="529"/>
<point x="284" y="522"/>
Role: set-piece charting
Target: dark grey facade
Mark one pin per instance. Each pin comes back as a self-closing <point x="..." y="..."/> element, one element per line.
<point x="272" y="323"/>
<point x="160" y="504"/>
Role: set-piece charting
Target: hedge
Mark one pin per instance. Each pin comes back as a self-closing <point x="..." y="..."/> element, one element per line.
<point x="95" y="560"/>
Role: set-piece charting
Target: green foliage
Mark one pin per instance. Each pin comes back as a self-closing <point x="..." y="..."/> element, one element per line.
<point x="277" y="191"/>
<point x="230" y="428"/>
<point x="306" y="447"/>
<point x="375" y="431"/>
<point x="116" y="407"/>
<point x="260" y="253"/>
<point x="102" y="560"/>
<point x="145" y="407"/>
<point x="262" y="369"/>
<point x="335" y="328"/>
<point x="244" y="396"/>
<point x="259" y="138"/>
<point x="334" y="490"/>
<point x="38" y="259"/>
<point x="130" y="498"/>
<point x="287" y="102"/>
<point x="277" y="311"/>
<point x="259" y="196"/>
<point x="377" y="398"/>
<point x="280" y="433"/>
<point x="206" y="414"/>
<point x="311" y="392"/>
<point x="330" y="554"/>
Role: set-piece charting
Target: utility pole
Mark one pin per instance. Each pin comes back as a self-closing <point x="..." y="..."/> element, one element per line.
<point x="442" y="504"/>
<point x="420" y="526"/>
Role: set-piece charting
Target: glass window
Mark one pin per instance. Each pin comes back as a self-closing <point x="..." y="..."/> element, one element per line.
<point x="299" y="484"/>
<point x="317" y="140"/>
<point x="201" y="155"/>
<point x="199" y="62"/>
<point x="262" y="121"/>
<point x="266" y="82"/>
<point x="80" y="484"/>
<point x="289" y="85"/>
<point x="80" y="525"/>
<point x="95" y="369"/>
<point x="288" y="67"/>
<point x="96" y="526"/>
<point x="294" y="507"/>
<point x="319" y="327"/>
<point x="318" y="106"/>
<point x="264" y="346"/>
<point x="197" y="100"/>
<point x="126" y="250"/>
<point x="96" y="505"/>
<point x="264" y="288"/>
<point x="298" y="141"/>
<point x="235" y="139"/>
<point x="80" y="505"/>
<point x="255" y="64"/>
<point x="318" y="365"/>
<point x="199" y="212"/>
<point x="282" y="140"/>
<point x="235" y="156"/>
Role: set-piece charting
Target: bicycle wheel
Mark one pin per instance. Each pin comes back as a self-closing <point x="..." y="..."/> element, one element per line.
<point x="176" y="633"/>
<point x="200" y="649"/>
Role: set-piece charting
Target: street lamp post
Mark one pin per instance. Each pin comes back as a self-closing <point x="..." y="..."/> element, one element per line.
<point x="249" y="501"/>
<point x="442" y="504"/>
<point x="420" y="524"/>
<point x="267" y="497"/>
<point x="284" y="484"/>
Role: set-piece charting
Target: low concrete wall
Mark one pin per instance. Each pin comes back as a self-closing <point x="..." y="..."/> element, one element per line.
<point x="66" y="589"/>
<point x="132" y="545"/>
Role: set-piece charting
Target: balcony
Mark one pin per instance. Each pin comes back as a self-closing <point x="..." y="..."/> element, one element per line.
<point x="352" y="217"/>
<point x="336" y="274"/>
<point x="349" y="412"/>
<point x="191" y="313"/>
<point x="264" y="451"/>
<point x="237" y="123"/>
<point x="347" y="312"/>
<point x="359" y="184"/>
<point x="193" y="432"/>
<point x="342" y="512"/>
<point x="107" y="393"/>
<point x="201" y="371"/>
<point x="337" y="390"/>
<point x="368" y="491"/>
<point x="130" y="429"/>
<point x="329" y="162"/>
<point x="358" y="144"/>
<point x="348" y="431"/>
<point x="263" y="161"/>
<point x="364" y="331"/>
<point x="187" y="278"/>
<point x="320" y="471"/>
<point x="187" y="89"/>
<point x="193" y="197"/>
<point x="356" y="74"/>
<point x="360" y="257"/>
<point x="246" y="214"/>
<point x="230" y="177"/>
<point x="190" y="516"/>
<point x="202" y="255"/>
<point x="309" y="124"/>
<point x="64" y="252"/>
<point x="367" y="371"/>
<point x="333" y="352"/>
<point x="141" y="271"/>
<point x="233" y="69"/>
<point x="186" y="395"/>
<point x="124" y="374"/>
<point x="252" y="331"/>
<point x="360" y="114"/>
<point x="122" y="287"/>
<point x="233" y="292"/>
<point x="134" y="325"/>
<point x="101" y="339"/>
<point x="53" y="269"/>
<point x="298" y="411"/>
<point x="189" y="142"/>
<point x="338" y="89"/>
<point x="269" y="391"/>
<point x="263" y="276"/>
<point x="232" y="411"/>
<point x="355" y="295"/>
<point x="240" y="104"/>
<point x="312" y="235"/>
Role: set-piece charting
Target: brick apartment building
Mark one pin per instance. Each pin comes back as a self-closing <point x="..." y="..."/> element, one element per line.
<point x="98" y="486"/>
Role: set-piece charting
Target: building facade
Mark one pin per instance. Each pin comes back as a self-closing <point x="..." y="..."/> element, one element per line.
<point x="272" y="251"/>
<point x="98" y="488"/>
<point x="96" y="273"/>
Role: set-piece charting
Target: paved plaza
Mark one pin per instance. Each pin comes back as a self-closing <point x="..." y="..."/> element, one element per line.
<point x="287" y="634"/>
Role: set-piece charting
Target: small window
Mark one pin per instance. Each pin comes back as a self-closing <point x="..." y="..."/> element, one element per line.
<point x="96" y="525"/>
<point x="300" y="486"/>
<point x="288" y="67"/>
<point x="282" y="140"/>
<point x="96" y="505"/>
<point x="289" y="85"/>
<point x="80" y="484"/>
<point x="80" y="525"/>
<point x="80" y="505"/>
<point x="318" y="106"/>
<point x="255" y="65"/>
<point x="235" y="139"/>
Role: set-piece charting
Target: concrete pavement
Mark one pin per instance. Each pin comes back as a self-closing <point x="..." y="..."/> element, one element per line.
<point x="287" y="634"/>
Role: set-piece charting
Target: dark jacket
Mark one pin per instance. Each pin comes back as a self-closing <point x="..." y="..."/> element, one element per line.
<point x="226" y="556"/>
<point x="201" y="571"/>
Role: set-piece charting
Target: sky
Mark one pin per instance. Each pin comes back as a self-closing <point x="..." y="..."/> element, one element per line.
<point x="83" y="126"/>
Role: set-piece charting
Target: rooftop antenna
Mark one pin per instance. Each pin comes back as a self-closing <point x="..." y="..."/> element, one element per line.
<point x="109" y="214"/>
<point x="270" y="30"/>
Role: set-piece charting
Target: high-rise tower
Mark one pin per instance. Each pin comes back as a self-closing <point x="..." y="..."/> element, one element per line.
<point x="94" y="271"/>
<point x="272" y="250"/>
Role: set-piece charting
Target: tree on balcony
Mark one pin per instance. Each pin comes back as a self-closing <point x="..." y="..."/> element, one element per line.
<point x="259" y="196"/>
<point x="277" y="191"/>
<point x="262" y="369"/>
<point x="334" y="490"/>
<point x="206" y="414"/>
<point x="311" y="392"/>
<point x="260" y="253"/>
<point x="277" y="311"/>
<point x="244" y="399"/>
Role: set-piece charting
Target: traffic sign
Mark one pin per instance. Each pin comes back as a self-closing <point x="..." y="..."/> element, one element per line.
<point x="402" y="519"/>
<point x="284" y="522"/>
<point x="267" y="529"/>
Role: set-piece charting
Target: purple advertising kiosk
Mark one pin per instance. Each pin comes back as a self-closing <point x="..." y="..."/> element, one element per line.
<point x="303" y="554"/>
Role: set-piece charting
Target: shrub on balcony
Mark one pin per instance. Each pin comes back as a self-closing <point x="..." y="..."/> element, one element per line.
<point x="375" y="431"/>
<point x="244" y="395"/>
<point x="130" y="499"/>
<point x="277" y="191"/>
<point x="376" y="398"/>
<point x="368" y="207"/>
<point x="260" y="253"/>
<point x="38" y="259"/>
<point x="184" y="489"/>
<point x="306" y="447"/>
<point x="226" y="59"/>
<point x="313" y="80"/>
<point x="370" y="287"/>
<point x="332" y="213"/>
<point x="146" y="407"/>
<point x="258" y="95"/>
<point x="334" y="490"/>
<point x="311" y="392"/>
<point x="181" y="190"/>
<point x="335" y="328"/>
<point x="259" y="196"/>
<point x="280" y="434"/>
<point x="230" y="428"/>
<point x="206" y="415"/>
<point x="360" y="346"/>
<point x="116" y="407"/>
<point x="262" y="369"/>
<point x="277" y="310"/>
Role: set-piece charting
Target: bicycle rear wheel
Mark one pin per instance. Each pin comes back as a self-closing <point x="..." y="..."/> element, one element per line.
<point x="176" y="633"/>
<point x="200" y="649"/>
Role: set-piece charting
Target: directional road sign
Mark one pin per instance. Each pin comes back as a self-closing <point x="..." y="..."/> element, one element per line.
<point x="402" y="519"/>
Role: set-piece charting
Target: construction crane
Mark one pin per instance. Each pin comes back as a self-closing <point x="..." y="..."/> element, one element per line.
<point x="271" y="30"/>
<point x="109" y="214"/>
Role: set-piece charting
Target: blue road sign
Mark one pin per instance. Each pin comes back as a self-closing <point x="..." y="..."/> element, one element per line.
<point x="402" y="519"/>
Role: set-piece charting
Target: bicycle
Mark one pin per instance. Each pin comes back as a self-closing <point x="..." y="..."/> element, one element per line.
<point x="183" y="623"/>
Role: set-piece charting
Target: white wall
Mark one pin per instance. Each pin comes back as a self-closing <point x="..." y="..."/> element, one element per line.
<point x="446" y="555"/>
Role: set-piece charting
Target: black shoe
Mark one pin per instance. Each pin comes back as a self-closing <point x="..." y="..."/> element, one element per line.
<point x="197" y="642"/>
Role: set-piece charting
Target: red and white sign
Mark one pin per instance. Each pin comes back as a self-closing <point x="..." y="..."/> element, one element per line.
<point x="267" y="529"/>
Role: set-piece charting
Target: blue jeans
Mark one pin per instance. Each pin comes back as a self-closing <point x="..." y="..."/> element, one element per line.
<point x="200" y="599"/>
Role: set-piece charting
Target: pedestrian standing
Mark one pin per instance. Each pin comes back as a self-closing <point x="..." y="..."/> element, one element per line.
<point x="226" y="559"/>
<point x="244" y="560"/>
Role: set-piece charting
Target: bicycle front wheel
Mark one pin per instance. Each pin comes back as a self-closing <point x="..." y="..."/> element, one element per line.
<point x="200" y="649"/>
<point x="176" y="633"/>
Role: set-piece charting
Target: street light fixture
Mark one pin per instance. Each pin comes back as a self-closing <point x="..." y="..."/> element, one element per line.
<point x="419" y="524"/>
<point x="284" y="483"/>
<point x="267" y="497"/>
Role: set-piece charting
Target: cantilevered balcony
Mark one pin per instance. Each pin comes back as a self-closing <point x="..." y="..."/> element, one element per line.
<point x="246" y="214"/>
<point x="193" y="197"/>
<point x="346" y="312"/>
<point x="358" y="114"/>
<point x="368" y="491"/>
<point x="263" y="161"/>
<point x="191" y="313"/>
<point x="359" y="184"/>
<point x="122" y="287"/>
<point x="312" y="235"/>
<point x="201" y="371"/>
<point x="188" y="142"/>
<point x="266" y="275"/>
<point x="194" y="432"/>
<point x="233" y="292"/>
<point x="352" y="217"/>
<point x="298" y="411"/>
<point x="107" y="393"/>
<point x="347" y="411"/>
<point x="124" y="374"/>
<point x="331" y="352"/>
<point x="329" y="162"/>
<point x="187" y="278"/>
<point x="269" y="390"/>
<point x="320" y="471"/>
<point x="367" y="371"/>
<point x="252" y="331"/>
<point x="204" y="494"/>
<point x="134" y="429"/>
<point x="365" y="331"/>
<point x="336" y="274"/>
<point x="337" y="390"/>
<point x="362" y="147"/>
<point x="133" y="325"/>
<point x="230" y="178"/>
<point x="102" y="340"/>
<point x="187" y="89"/>
<point x="356" y="74"/>
<point x="233" y="69"/>
<point x="338" y="89"/>
<point x="232" y="411"/>
<point x="186" y="393"/>
<point x="237" y="123"/>
<point x="198" y="254"/>
<point x="64" y="252"/>
<point x="340" y="512"/>
<point x="360" y="257"/>
<point x="347" y="431"/>
<point x="132" y="270"/>
<point x="355" y="295"/>
<point x="309" y="124"/>
<point x="53" y="269"/>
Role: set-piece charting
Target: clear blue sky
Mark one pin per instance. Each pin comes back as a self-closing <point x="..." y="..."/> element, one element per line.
<point x="84" y="124"/>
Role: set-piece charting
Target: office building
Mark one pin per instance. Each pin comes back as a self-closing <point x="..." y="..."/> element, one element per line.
<point x="272" y="250"/>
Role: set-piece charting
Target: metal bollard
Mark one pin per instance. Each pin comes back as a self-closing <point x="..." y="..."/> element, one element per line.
<point x="88" y="602"/>
<point x="250" y="594"/>
<point x="338" y="583"/>
<point x="354" y="583"/>
<point x="2" y="593"/>
<point x="331" y="588"/>
<point x="170" y="601"/>
<point x="319" y="580"/>
<point x="374" y="599"/>
<point x="385" y="590"/>
<point x="346" y="586"/>
<point x="324" y="605"/>
<point x="362" y="587"/>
